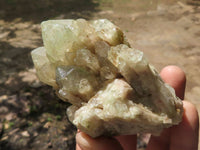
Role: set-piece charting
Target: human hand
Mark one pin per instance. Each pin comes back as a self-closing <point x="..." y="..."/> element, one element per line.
<point x="180" y="137"/>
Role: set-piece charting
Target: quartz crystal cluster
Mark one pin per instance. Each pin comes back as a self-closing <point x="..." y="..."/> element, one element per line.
<point x="111" y="86"/>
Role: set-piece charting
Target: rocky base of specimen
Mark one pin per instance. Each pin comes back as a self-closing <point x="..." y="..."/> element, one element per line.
<point x="112" y="87"/>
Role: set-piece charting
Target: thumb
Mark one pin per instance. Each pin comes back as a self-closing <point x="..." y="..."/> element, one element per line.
<point x="85" y="142"/>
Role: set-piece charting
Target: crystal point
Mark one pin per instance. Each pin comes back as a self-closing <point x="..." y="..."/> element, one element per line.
<point x="112" y="87"/>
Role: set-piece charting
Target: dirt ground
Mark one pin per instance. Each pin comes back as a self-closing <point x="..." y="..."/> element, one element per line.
<point x="31" y="116"/>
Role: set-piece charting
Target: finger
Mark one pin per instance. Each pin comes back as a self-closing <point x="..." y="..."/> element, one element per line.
<point x="185" y="135"/>
<point x="85" y="142"/>
<point x="160" y="142"/>
<point x="128" y="142"/>
<point x="78" y="147"/>
<point x="175" y="77"/>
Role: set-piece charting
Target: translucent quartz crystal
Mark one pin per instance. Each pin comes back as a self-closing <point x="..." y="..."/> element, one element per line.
<point x="78" y="81"/>
<point x="112" y="87"/>
<point x="45" y="70"/>
<point x="108" y="32"/>
<point x="61" y="37"/>
<point x="85" y="58"/>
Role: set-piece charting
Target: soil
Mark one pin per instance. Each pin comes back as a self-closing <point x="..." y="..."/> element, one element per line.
<point x="31" y="116"/>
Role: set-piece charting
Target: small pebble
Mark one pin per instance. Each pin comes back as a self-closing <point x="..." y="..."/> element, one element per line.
<point x="25" y="134"/>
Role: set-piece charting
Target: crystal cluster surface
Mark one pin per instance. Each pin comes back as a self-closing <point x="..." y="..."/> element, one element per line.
<point x="111" y="86"/>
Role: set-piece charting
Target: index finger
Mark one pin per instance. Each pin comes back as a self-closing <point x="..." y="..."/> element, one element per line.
<point x="175" y="77"/>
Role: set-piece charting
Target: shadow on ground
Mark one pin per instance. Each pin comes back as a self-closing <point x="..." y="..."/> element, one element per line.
<point x="39" y="10"/>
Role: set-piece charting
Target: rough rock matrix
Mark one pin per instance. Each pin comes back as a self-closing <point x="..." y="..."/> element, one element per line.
<point x="111" y="86"/>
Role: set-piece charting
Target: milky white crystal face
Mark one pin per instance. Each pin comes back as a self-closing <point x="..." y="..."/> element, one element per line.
<point x="111" y="86"/>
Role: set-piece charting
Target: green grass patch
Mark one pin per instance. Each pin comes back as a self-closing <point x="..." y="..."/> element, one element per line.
<point x="11" y="124"/>
<point x="58" y="117"/>
<point x="49" y="119"/>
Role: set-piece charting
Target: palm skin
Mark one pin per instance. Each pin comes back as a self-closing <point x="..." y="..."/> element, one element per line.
<point x="180" y="137"/>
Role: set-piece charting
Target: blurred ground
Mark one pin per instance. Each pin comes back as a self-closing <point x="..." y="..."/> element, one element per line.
<point x="31" y="116"/>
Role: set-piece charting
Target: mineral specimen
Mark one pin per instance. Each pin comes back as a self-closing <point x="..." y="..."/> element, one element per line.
<point x="111" y="86"/>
